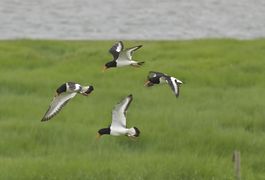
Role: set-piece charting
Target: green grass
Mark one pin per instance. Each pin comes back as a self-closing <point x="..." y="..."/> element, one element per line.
<point x="220" y="109"/>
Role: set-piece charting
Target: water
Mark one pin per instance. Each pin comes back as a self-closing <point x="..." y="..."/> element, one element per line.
<point x="123" y="19"/>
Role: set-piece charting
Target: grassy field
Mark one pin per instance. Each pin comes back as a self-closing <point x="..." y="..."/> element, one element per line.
<point x="220" y="109"/>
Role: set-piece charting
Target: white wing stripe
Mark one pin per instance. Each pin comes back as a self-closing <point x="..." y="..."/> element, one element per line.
<point x="57" y="104"/>
<point x="131" y="50"/>
<point x="174" y="84"/>
<point x="119" y="47"/>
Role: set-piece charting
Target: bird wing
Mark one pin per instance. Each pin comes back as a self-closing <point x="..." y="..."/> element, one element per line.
<point x="57" y="104"/>
<point x="153" y="74"/>
<point x="128" y="52"/>
<point x="172" y="82"/>
<point x="119" y="112"/>
<point x="116" y="49"/>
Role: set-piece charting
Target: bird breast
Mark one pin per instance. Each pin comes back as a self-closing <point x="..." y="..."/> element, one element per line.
<point x="124" y="63"/>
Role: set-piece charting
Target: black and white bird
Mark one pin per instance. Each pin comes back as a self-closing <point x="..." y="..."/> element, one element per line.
<point x="122" y="57"/>
<point x="118" y="125"/>
<point x="63" y="95"/>
<point x="160" y="78"/>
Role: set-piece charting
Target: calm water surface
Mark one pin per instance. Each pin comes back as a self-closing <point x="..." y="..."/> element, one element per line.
<point x="134" y="19"/>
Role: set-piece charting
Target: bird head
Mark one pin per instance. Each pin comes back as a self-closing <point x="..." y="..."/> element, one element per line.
<point x="87" y="90"/>
<point x="109" y="65"/>
<point x="151" y="81"/>
<point x="102" y="132"/>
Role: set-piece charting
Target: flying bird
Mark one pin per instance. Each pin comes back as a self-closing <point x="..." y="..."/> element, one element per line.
<point x="122" y="57"/>
<point x="161" y="78"/>
<point x="118" y="125"/>
<point x="63" y="95"/>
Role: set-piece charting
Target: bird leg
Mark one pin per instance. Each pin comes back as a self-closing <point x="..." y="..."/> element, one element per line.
<point x="84" y="94"/>
<point x="132" y="138"/>
<point x="135" y="65"/>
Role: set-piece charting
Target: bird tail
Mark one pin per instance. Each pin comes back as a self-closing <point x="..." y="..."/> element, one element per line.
<point x="140" y="63"/>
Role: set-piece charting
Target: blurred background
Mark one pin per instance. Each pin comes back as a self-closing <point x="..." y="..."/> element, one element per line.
<point x="143" y="20"/>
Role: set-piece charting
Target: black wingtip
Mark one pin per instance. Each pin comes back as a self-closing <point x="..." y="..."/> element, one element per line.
<point x="130" y="95"/>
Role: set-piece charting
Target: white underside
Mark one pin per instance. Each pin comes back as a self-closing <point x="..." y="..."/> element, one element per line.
<point x="121" y="63"/>
<point x="118" y="131"/>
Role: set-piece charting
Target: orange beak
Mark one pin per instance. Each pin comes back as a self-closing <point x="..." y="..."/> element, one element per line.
<point x="104" y="68"/>
<point x="98" y="136"/>
<point x="146" y="82"/>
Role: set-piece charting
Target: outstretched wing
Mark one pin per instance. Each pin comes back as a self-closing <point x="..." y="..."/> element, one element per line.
<point x="174" y="84"/>
<point x="57" y="104"/>
<point x="130" y="51"/>
<point x="119" y="112"/>
<point x="116" y="49"/>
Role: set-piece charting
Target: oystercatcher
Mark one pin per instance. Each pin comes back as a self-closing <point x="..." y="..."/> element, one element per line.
<point x="118" y="125"/>
<point x="63" y="95"/>
<point x="122" y="57"/>
<point x="160" y="78"/>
